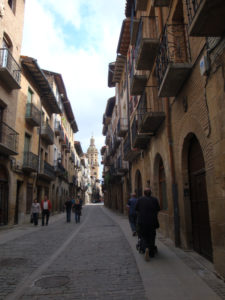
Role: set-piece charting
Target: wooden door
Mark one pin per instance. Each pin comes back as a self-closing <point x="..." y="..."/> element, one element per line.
<point x="201" y="232"/>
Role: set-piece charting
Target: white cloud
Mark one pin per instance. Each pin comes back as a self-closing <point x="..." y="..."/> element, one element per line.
<point x="83" y="67"/>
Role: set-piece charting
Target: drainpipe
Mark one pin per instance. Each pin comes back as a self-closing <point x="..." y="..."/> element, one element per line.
<point x="171" y="157"/>
<point x="128" y="121"/>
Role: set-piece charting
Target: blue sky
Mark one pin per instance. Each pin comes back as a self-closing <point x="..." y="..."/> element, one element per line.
<point x="77" y="38"/>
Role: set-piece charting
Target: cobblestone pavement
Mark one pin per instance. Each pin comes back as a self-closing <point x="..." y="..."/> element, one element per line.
<point x="90" y="260"/>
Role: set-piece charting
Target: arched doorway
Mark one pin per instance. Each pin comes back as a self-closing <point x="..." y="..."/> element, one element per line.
<point x="162" y="186"/>
<point x="201" y="233"/>
<point x="138" y="184"/>
<point x="4" y="191"/>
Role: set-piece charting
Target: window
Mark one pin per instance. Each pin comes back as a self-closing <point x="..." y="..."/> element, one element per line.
<point x="29" y="95"/>
<point x="27" y="143"/>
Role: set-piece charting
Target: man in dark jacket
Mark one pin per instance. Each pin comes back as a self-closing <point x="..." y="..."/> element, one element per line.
<point x="147" y="208"/>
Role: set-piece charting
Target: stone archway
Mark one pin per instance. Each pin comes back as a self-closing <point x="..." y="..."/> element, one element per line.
<point x="197" y="211"/>
<point x="4" y="195"/>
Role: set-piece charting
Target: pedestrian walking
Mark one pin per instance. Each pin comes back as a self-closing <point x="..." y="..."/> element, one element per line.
<point x="35" y="210"/>
<point x="132" y="214"/>
<point x="77" y="209"/>
<point x="68" y="205"/>
<point x="147" y="208"/>
<point x="46" y="208"/>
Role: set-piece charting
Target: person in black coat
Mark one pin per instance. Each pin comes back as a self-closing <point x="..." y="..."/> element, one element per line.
<point x="147" y="208"/>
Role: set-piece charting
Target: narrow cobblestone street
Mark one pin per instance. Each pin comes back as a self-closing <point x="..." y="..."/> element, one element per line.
<point x="95" y="259"/>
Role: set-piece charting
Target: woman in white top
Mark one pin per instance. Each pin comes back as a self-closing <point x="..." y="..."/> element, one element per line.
<point x="35" y="210"/>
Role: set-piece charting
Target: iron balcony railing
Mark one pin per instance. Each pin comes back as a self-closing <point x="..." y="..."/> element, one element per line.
<point x="134" y="129"/>
<point x="47" y="170"/>
<point x="8" y="138"/>
<point x="61" y="135"/>
<point x="174" y="49"/>
<point x="58" y="167"/>
<point x="47" y="132"/>
<point x="147" y="30"/>
<point x="122" y="126"/>
<point x="57" y="127"/>
<point x="7" y="61"/>
<point x="126" y="146"/>
<point x="33" y="114"/>
<point x="30" y="161"/>
<point x="192" y="7"/>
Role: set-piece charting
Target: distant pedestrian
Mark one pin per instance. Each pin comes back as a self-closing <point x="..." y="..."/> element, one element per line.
<point x="68" y="205"/>
<point x="148" y="208"/>
<point x="46" y="208"/>
<point x="77" y="209"/>
<point x="35" y="210"/>
<point x="132" y="214"/>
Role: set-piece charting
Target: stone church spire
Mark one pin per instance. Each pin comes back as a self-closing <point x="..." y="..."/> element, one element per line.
<point x="92" y="154"/>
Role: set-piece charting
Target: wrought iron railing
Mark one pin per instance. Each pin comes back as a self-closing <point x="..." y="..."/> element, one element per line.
<point x="58" y="167"/>
<point x="61" y="135"/>
<point x="57" y="126"/>
<point x="192" y="7"/>
<point x="7" y="61"/>
<point x="126" y="146"/>
<point x="30" y="160"/>
<point x="47" y="169"/>
<point x="33" y="112"/>
<point x="47" y="130"/>
<point x="155" y="104"/>
<point x="147" y="29"/>
<point x="8" y="137"/>
<point x="134" y="129"/>
<point x="174" y="49"/>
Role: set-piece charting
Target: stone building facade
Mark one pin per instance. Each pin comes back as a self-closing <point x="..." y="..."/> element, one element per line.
<point x="37" y="127"/>
<point x="169" y="87"/>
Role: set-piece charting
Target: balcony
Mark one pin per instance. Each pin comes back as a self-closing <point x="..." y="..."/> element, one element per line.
<point x="10" y="71"/>
<point x="173" y="61"/>
<point x="61" y="135"/>
<point x="141" y="4"/>
<point x="139" y="140"/>
<point x="65" y="143"/>
<point x="122" y="127"/>
<point x="138" y="81"/>
<point x="122" y="166"/>
<point x="30" y="162"/>
<point x="33" y="115"/>
<point x="8" y="140"/>
<point x="58" y="167"/>
<point x="47" y="172"/>
<point x="47" y="134"/>
<point x="206" y="17"/>
<point x="147" y="43"/>
<point x="107" y="161"/>
<point x="116" y="141"/>
<point x="129" y="153"/>
<point x="57" y="128"/>
<point x="160" y="3"/>
<point x="150" y="115"/>
<point x="134" y="30"/>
